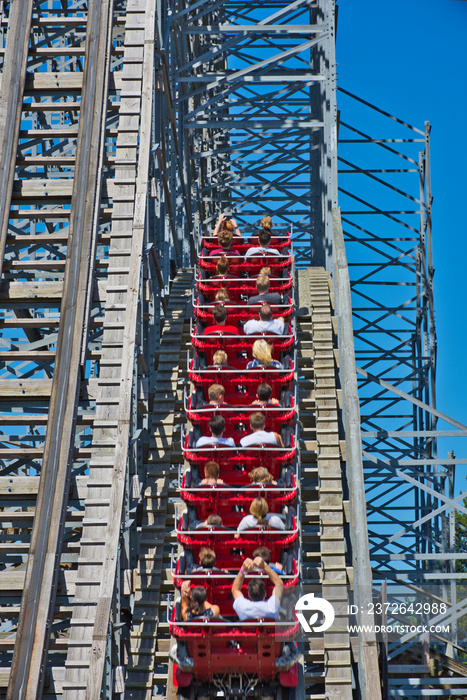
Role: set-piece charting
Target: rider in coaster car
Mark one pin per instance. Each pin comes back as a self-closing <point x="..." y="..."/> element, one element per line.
<point x="194" y="603"/>
<point x="262" y="285"/>
<point x="256" y="604"/>
<point x="220" y="315"/>
<point x="264" y="238"/>
<point x="261" y="475"/>
<point x="222" y="296"/>
<point x="207" y="562"/>
<point x="228" y="225"/>
<point x="213" y="520"/>
<point x="211" y="474"/>
<point x="265" y="554"/>
<point x="263" y="396"/>
<point x="217" y="427"/>
<point x="259" y="436"/>
<point x="220" y="359"/>
<point x="225" y="237"/>
<point x="262" y="353"/>
<point x="266" y="323"/>
<point x="222" y="267"/>
<point x="216" y="394"/>
<point x="260" y="515"/>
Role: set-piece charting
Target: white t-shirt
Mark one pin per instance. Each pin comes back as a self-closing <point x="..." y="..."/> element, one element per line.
<point x="271" y="519"/>
<point x="275" y="325"/>
<point x="205" y="440"/>
<point x="247" y="609"/>
<point x="260" y="437"/>
<point x="258" y="251"/>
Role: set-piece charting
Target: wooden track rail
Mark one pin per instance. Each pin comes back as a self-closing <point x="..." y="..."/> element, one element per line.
<point x="42" y="572"/>
<point x="98" y="556"/>
<point x="11" y="98"/>
<point x="71" y="298"/>
<point x="325" y="561"/>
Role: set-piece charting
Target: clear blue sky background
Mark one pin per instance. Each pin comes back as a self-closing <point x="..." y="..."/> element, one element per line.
<point x="409" y="57"/>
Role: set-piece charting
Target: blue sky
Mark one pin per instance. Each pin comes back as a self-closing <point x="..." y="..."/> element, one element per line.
<point x="409" y="57"/>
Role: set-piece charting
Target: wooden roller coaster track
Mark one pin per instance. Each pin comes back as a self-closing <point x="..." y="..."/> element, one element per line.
<point x="94" y="321"/>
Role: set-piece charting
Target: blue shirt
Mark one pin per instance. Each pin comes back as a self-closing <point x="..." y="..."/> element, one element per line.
<point x="275" y="364"/>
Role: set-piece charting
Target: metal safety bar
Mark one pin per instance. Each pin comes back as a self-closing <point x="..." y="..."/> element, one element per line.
<point x="250" y="531"/>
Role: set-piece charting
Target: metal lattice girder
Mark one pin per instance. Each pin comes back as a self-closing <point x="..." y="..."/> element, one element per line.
<point x="385" y="196"/>
<point x="255" y="98"/>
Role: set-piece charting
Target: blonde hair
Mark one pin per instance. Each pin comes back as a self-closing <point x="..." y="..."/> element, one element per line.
<point x="259" y="508"/>
<point x="220" y="357"/>
<point x="266" y="271"/>
<point x="260" y="475"/>
<point x="266" y="222"/>
<point x="262" y="351"/>
<point x="222" y="295"/>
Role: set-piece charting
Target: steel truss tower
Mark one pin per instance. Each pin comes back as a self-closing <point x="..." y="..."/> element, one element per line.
<point x="255" y="88"/>
<point x="256" y="97"/>
<point x="386" y="201"/>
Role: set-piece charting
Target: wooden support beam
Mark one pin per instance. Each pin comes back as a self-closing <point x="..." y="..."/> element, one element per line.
<point x="11" y="98"/>
<point x="43" y="562"/>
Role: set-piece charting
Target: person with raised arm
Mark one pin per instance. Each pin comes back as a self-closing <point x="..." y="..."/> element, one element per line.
<point x="225" y="238"/>
<point x="223" y="223"/>
<point x="256" y="605"/>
